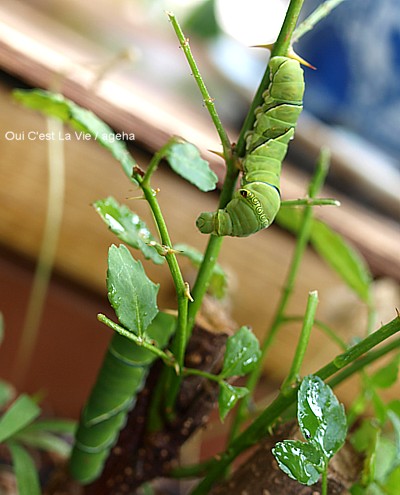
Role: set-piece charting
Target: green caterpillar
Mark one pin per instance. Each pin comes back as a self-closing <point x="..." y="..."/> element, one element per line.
<point x="254" y="206"/>
<point x="121" y="378"/>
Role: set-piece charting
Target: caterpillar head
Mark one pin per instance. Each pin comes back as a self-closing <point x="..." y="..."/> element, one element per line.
<point x="217" y="223"/>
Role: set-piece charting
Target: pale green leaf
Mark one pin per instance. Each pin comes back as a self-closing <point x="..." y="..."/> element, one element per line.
<point x="21" y="412"/>
<point x="321" y="417"/>
<point x="386" y="376"/>
<point x="45" y="441"/>
<point x="131" y="293"/>
<point x="25" y="470"/>
<point x="53" y="425"/>
<point x="184" y="158"/>
<point x="218" y="281"/>
<point x="82" y="120"/>
<point x="242" y="353"/>
<point x="300" y="461"/>
<point x="228" y="397"/>
<point x="128" y="227"/>
<point x="331" y="246"/>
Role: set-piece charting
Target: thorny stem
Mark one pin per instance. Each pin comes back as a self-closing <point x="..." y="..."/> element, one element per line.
<point x="269" y="416"/>
<point x="208" y="101"/>
<point x="281" y="47"/>
<point x="301" y="244"/>
<point x="317" y="15"/>
<point x="214" y="245"/>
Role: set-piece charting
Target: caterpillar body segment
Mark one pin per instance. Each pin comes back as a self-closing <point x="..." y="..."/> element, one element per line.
<point x="254" y="206"/>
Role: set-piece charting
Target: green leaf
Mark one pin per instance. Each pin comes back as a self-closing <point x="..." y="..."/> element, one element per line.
<point x="386" y="376"/>
<point x="128" y="227"/>
<point x="218" y="281"/>
<point x="342" y="257"/>
<point x="131" y="293"/>
<point x="25" y="470"/>
<point x="6" y="393"/>
<point x="321" y="417"/>
<point x="21" y="412"/>
<point x="45" y="441"/>
<point x="242" y="353"/>
<point x="300" y="461"/>
<point x="228" y="396"/>
<point x="184" y="158"/>
<point x="55" y="105"/>
<point x="54" y="425"/>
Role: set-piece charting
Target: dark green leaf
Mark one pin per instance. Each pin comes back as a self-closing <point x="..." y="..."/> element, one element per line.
<point x="321" y="417"/>
<point x="25" y="470"/>
<point x="342" y="257"/>
<point x="6" y="393"/>
<point x="242" y="353"/>
<point x="128" y="227"/>
<point x="55" y="105"/>
<point x="395" y="420"/>
<point x="218" y="282"/>
<point x="300" y="461"/>
<point x="228" y="396"/>
<point x="184" y="158"/>
<point x="131" y="293"/>
<point x="21" y="412"/>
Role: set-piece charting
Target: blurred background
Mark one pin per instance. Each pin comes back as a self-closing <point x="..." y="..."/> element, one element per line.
<point x="121" y="59"/>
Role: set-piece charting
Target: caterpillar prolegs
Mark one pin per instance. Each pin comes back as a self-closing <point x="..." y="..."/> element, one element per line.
<point x="254" y="206"/>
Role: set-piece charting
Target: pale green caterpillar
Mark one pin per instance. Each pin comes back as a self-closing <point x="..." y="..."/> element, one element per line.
<point x="254" y="206"/>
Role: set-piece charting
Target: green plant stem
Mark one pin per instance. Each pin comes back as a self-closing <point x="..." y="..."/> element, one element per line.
<point x="322" y="326"/>
<point x="211" y="253"/>
<point x="208" y="101"/>
<point x="180" y="335"/>
<point x="44" y="267"/>
<point x="138" y="340"/>
<point x="324" y="482"/>
<point x="316" y="16"/>
<point x="364" y="361"/>
<point x="310" y="202"/>
<point x="301" y="244"/>
<point x="156" y="159"/>
<point x="308" y="322"/>
<point x="261" y="426"/>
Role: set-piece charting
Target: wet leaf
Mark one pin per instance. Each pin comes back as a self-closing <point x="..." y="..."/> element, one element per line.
<point x="56" y="105"/>
<point x="184" y="158"/>
<point x="301" y="461"/>
<point x="321" y="417"/>
<point x="25" y="470"/>
<point x="131" y="293"/>
<point x="228" y="397"/>
<point x="128" y="227"/>
<point x="21" y="412"/>
<point x="218" y="282"/>
<point x="242" y="353"/>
